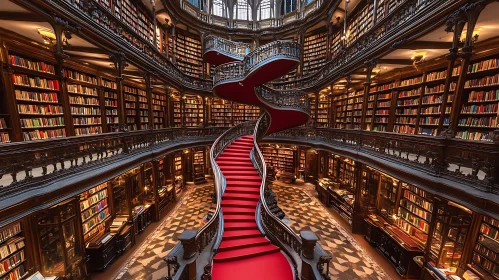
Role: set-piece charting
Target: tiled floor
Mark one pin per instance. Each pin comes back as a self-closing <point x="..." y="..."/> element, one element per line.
<point x="147" y="262"/>
<point x="304" y="212"/>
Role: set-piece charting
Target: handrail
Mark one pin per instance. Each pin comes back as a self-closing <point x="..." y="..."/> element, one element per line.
<point x="233" y="49"/>
<point x="214" y="227"/>
<point x="238" y="70"/>
<point x="294" y="100"/>
<point x="273" y="227"/>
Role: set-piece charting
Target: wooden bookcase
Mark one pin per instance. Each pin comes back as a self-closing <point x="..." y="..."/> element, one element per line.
<point x="349" y="110"/>
<point x="486" y="252"/>
<point x="111" y="104"/>
<point x="84" y="100"/>
<point x="282" y="159"/>
<point x="189" y="55"/>
<point x="159" y="109"/>
<point x="324" y="107"/>
<point x="314" y="53"/>
<point x="221" y="113"/>
<point x="382" y="106"/>
<point x="193" y="110"/>
<point x="408" y="96"/>
<point x="360" y="22"/>
<point x="131" y="107"/>
<point x="13" y="252"/>
<point x="38" y="100"/>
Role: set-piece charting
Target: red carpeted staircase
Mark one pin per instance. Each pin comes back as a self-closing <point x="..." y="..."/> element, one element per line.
<point x="244" y="254"/>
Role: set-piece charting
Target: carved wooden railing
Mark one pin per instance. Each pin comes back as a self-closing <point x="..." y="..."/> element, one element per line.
<point x="273" y="51"/>
<point x="275" y="229"/>
<point x="187" y="249"/>
<point x="350" y="56"/>
<point x="467" y="162"/>
<point x="29" y="165"/>
<point x="248" y="24"/>
<point x="229" y="48"/>
<point x="295" y="100"/>
<point x="97" y="14"/>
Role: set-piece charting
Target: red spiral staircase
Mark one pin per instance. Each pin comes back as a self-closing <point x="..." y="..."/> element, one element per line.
<point x="244" y="252"/>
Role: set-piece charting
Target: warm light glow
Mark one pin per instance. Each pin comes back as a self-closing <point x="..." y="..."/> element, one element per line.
<point x="419" y="56"/>
<point x="48" y="35"/>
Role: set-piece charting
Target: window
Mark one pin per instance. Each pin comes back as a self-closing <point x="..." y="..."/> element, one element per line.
<point x="218" y="8"/>
<point x="242" y="10"/>
<point x="264" y="12"/>
<point x="289" y="6"/>
<point x="195" y="3"/>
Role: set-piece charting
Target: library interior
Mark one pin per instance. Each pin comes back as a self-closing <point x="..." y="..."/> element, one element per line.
<point x="249" y="139"/>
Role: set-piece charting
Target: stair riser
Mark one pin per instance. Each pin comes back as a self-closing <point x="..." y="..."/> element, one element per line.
<point x="240" y="236"/>
<point x="215" y="260"/>
<point x="242" y="246"/>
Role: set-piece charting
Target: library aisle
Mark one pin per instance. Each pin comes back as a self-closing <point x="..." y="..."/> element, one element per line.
<point x="147" y="263"/>
<point x="304" y="212"/>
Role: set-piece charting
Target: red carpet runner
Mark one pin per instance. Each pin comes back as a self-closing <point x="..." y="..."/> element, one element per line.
<point x="244" y="253"/>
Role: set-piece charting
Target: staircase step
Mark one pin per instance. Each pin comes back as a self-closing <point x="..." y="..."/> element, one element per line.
<point x="238" y="233"/>
<point x="242" y="183"/>
<point x="222" y="162"/>
<point x="235" y="159"/>
<point x="239" y="225"/>
<point x="242" y="145"/>
<point x="242" y="155"/>
<point x="232" y="189"/>
<point x="241" y="196"/>
<point x="244" y="253"/>
<point x="236" y="210"/>
<point x="237" y="150"/>
<point x="254" y="178"/>
<point x="236" y="168"/>
<point x="239" y="217"/>
<point x="240" y="243"/>
<point x="240" y="172"/>
<point x="239" y="203"/>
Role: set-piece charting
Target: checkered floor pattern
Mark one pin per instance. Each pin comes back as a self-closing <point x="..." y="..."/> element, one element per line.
<point x="304" y="212"/>
<point x="147" y="263"/>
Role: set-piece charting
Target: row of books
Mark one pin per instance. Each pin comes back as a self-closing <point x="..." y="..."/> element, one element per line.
<point x="7" y="264"/>
<point x="31" y="64"/>
<point x="35" y="82"/>
<point x="12" y="246"/>
<point x="93" y="199"/>
<point x="481" y="109"/>
<point x="37" y="109"/>
<point x="42" y="122"/>
<point x="490" y="122"/>
<point x="483" y="65"/>
<point x="482" y="82"/>
<point x="79" y="89"/>
<point x="92" y="210"/>
<point x="436" y="75"/>
<point x="97" y="220"/>
<point x="406" y="129"/>
<point x="414" y="220"/>
<point x="87" y="121"/>
<point x="88" y="130"/>
<point x="9" y="231"/>
<point x="482" y="96"/>
<point x="82" y="77"/>
<point x="3" y="124"/>
<point x="475" y="135"/>
<point x="80" y="100"/>
<point x="50" y="97"/>
<point x="85" y="111"/>
<point x="16" y="274"/>
<point x="44" y="134"/>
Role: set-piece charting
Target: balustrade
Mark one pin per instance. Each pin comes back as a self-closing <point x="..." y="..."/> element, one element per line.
<point x="227" y="47"/>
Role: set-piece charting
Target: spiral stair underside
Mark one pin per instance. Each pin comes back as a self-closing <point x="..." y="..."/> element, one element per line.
<point x="244" y="252"/>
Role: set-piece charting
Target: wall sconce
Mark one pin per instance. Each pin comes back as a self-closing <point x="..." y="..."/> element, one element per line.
<point x="47" y="35"/>
<point x="418" y="56"/>
<point x="474" y="38"/>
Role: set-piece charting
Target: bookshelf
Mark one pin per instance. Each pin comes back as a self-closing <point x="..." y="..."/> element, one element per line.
<point x="143" y="109"/>
<point x="371" y="100"/>
<point x="407" y="110"/>
<point x="479" y="114"/>
<point x="313" y="109"/>
<point x="84" y="102"/>
<point x="176" y="112"/>
<point x="323" y="111"/>
<point x="414" y="212"/>
<point x="361" y="22"/>
<point x="486" y="251"/>
<point x="198" y="167"/>
<point x="221" y="112"/>
<point x="341" y="111"/>
<point x="382" y="105"/>
<point x="282" y="159"/>
<point x="136" y="18"/>
<point x="178" y="179"/>
<point x="111" y="104"/>
<point x="12" y="252"/>
<point x="387" y="198"/>
<point x="432" y="100"/>
<point x="335" y="47"/>
<point x="251" y="113"/>
<point x="341" y="185"/>
<point x="159" y="105"/>
<point x="193" y="110"/>
<point x="314" y="52"/>
<point x="189" y="55"/>
<point x="131" y="107"/>
<point x="94" y="210"/>
<point x="38" y="98"/>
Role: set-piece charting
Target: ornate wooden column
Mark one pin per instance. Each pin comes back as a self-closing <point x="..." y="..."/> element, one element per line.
<point x="60" y="56"/>
<point x="370" y="64"/>
<point x="155" y="184"/>
<point x="472" y="12"/>
<point x="456" y="25"/>
<point x="119" y="63"/>
<point x="358" y="215"/>
<point x="469" y="243"/>
<point x="150" y="120"/>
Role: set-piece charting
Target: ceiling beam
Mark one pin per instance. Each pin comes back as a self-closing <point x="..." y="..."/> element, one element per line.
<point x="395" y="61"/>
<point x="415" y="45"/>
<point x="86" y="50"/>
<point x="21" y="16"/>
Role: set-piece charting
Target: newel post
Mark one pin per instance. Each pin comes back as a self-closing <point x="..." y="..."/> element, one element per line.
<point x="188" y="241"/>
<point x="308" y="240"/>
